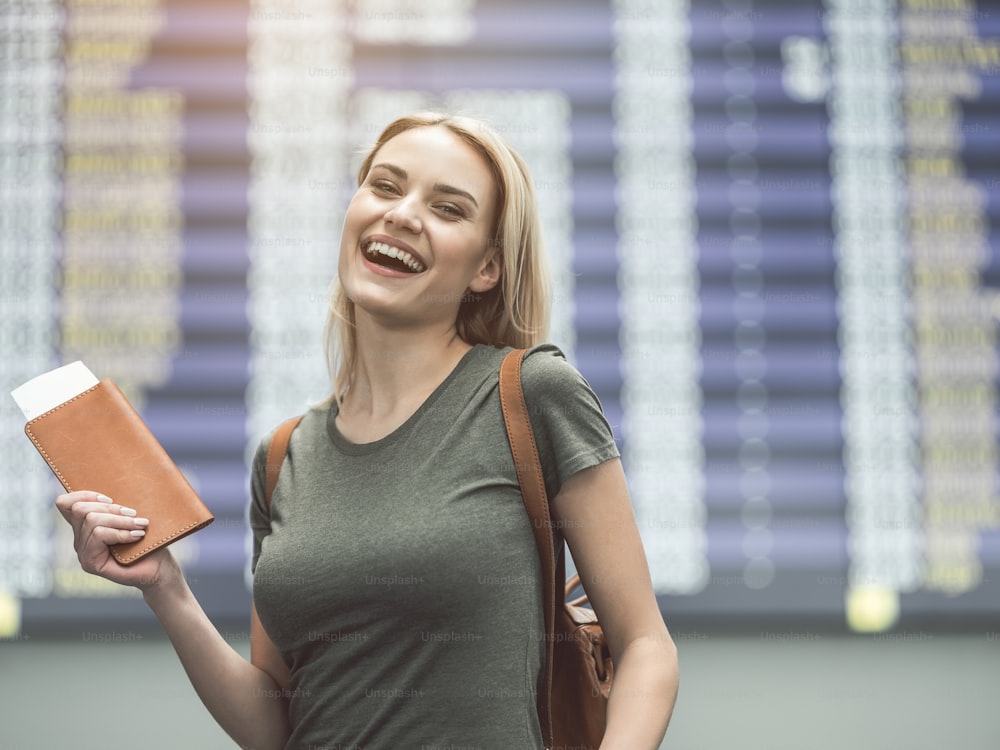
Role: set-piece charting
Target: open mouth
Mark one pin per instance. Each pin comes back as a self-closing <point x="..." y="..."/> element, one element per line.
<point x="388" y="256"/>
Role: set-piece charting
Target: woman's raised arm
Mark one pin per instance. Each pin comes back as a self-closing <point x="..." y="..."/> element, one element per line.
<point x="247" y="699"/>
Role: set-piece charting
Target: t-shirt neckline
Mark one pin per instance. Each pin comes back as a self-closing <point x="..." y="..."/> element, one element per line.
<point x="346" y="446"/>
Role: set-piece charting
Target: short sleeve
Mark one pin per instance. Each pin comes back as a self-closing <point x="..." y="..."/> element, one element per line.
<point x="260" y="518"/>
<point x="569" y="424"/>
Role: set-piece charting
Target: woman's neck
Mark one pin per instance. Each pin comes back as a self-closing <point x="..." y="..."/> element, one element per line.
<point x="397" y="369"/>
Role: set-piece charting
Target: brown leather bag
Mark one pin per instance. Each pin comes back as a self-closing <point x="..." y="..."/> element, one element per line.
<point x="576" y="680"/>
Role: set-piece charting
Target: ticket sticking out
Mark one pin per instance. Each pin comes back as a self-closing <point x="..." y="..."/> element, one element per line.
<point x="48" y="390"/>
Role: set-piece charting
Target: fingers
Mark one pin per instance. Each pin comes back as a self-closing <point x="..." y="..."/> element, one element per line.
<point x="66" y="502"/>
<point x="111" y="533"/>
<point x="98" y="529"/>
<point x="98" y="524"/>
<point x="95" y="518"/>
<point x="125" y="521"/>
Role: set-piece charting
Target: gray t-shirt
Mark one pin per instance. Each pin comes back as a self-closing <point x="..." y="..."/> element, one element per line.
<point x="400" y="578"/>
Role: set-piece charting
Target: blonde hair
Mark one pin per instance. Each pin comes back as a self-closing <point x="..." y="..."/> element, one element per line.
<point x="515" y="312"/>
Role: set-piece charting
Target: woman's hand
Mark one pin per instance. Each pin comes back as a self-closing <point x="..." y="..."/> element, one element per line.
<point x="98" y="522"/>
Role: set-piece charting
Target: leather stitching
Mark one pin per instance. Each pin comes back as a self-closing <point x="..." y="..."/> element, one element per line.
<point x="31" y="436"/>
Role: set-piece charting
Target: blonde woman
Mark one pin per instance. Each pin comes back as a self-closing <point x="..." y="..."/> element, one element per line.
<point x="396" y="532"/>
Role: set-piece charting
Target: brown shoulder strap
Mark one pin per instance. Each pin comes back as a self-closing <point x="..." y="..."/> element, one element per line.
<point x="276" y="452"/>
<point x="529" y="476"/>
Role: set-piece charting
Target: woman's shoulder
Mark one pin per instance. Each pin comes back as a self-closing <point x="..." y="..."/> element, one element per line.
<point x="546" y="370"/>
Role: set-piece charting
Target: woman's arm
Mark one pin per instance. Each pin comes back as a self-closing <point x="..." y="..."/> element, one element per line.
<point x="246" y="699"/>
<point x="594" y="512"/>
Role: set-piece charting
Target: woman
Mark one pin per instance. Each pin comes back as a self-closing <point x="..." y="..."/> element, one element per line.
<point x="396" y="531"/>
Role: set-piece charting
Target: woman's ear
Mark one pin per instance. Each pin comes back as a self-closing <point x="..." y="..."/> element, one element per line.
<point x="488" y="274"/>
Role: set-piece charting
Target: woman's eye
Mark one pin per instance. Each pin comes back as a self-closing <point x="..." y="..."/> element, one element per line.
<point x="384" y="186"/>
<point x="450" y="209"/>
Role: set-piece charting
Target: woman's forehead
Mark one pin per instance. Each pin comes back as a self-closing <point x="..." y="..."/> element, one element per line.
<point x="436" y="153"/>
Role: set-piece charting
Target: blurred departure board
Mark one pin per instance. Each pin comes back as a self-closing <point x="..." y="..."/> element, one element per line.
<point x="773" y="230"/>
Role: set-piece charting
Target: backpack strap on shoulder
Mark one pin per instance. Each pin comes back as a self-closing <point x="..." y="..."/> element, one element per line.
<point x="276" y="453"/>
<point x="528" y="467"/>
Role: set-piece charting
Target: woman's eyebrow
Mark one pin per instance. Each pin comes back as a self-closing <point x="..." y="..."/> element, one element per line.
<point x="440" y="187"/>
<point x="450" y="190"/>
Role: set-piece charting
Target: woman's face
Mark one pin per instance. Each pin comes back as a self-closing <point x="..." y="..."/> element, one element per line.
<point x="416" y="233"/>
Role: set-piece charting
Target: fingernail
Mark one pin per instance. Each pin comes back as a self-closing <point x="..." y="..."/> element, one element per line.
<point x="104" y="499"/>
<point x="128" y="511"/>
<point x="140" y="521"/>
<point x="137" y="532"/>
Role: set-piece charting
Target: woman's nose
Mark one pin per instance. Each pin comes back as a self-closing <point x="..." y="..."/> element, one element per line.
<point x="404" y="214"/>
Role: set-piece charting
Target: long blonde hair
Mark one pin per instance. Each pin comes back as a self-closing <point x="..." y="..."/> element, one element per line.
<point x="515" y="312"/>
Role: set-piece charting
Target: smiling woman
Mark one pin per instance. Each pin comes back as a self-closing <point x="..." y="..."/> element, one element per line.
<point x="406" y="209"/>
<point x="513" y="311"/>
<point x="397" y="530"/>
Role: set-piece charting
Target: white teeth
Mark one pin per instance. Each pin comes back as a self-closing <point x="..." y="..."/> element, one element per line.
<point x="380" y="248"/>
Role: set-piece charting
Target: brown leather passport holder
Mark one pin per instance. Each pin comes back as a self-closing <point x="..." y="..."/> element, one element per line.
<point x="97" y="441"/>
